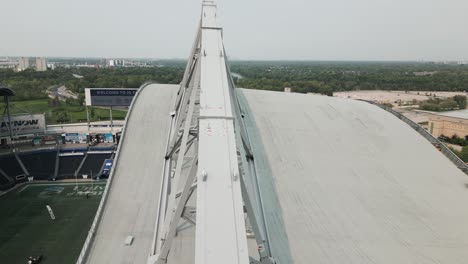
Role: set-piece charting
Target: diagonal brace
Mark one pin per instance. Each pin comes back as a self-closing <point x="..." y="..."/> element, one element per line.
<point x="161" y="257"/>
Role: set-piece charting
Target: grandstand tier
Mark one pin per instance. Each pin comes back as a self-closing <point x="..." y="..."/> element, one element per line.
<point x="68" y="165"/>
<point x="5" y="181"/>
<point x="93" y="164"/>
<point x="40" y="164"/>
<point x="10" y="165"/>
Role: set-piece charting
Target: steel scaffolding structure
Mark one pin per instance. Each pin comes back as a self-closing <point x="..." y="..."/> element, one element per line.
<point x="208" y="153"/>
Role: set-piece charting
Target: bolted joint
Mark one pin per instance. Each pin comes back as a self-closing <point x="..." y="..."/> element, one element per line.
<point x="204" y="175"/>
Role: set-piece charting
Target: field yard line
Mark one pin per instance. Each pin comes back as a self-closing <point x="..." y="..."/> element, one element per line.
<point x="12" y="189"/>
<point x="45" y="184"/>
<point x="66" y="184"/>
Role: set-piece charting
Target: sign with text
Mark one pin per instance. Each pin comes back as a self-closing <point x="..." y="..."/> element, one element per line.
<point x="74" y="138"/>
<point x="109" y="96"/>
<point x="23" y="124"/>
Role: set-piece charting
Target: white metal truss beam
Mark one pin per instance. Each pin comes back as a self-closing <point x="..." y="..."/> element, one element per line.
<point x="203" y="134"/>
<point x="174" y="165"/>
<point x="177" y="214"/>
<point x="176" y="151"/>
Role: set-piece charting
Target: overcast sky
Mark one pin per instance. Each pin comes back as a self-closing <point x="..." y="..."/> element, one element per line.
<point x="253" y="29"/>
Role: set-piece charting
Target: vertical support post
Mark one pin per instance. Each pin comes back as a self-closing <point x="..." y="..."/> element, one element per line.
<point x="111" y="121"/>
<point x="7" y="103"/>
<point x="87" y="118"/>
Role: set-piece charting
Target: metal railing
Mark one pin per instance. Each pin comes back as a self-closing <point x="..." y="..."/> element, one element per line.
<point x="423" y="132"/>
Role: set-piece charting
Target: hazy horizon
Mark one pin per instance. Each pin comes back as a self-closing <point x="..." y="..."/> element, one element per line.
<point x="297" y="30"/>
<point x="241" y="60"/>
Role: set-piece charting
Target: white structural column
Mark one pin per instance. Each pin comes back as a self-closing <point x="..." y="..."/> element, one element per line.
<point x="220" y="230"/>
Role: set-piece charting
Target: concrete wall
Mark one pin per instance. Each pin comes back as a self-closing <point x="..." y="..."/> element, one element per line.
<point x="448" y="126"/>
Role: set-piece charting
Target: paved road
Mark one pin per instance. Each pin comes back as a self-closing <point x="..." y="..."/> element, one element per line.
<point x="61" y="92"/>
<point x="346" y="182"/>
<point x="134" y="191"/>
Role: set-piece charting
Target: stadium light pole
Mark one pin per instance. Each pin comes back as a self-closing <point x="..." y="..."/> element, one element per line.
<point x="7" y="103"/>
<point x="7" y="93"/>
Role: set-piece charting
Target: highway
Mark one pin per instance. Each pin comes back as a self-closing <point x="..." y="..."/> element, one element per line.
<point x="130" y="209"/>
<point x="61" y="92"/>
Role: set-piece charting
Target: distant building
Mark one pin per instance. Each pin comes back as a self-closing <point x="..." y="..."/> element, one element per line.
<point x="132" y="63"/>
<point x="287" y="89"/>
<point x="449" y="124"/>
<point x="424" y="73"/>
<point x="115" y="63"/>
<point x="7" y="63"/>
<point x="41" y="64"/>
<point x="23" y="64"/>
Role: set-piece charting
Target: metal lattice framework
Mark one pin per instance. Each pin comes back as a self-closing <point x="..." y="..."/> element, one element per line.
<point x="208" y="153"/>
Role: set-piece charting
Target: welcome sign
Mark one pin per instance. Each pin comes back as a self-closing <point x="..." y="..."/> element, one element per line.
<point x="109" y="96"/>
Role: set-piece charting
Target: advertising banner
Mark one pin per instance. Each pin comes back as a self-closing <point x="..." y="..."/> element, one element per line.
<point x="109" y="96"/>
<point x="108" y="138"/>
<point x="23" y="125"/>
<point x="74" y="138"/>
<point x="49" y="139"/>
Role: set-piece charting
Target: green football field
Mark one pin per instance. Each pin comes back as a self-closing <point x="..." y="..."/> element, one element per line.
<point x="26" y="227"/>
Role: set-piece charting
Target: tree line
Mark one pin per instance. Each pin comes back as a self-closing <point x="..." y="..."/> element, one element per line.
<point x="329" y="77"/>
<point x="302" y="77"/>
<point x="447" y="104"/>
<point x="30" y="85"/>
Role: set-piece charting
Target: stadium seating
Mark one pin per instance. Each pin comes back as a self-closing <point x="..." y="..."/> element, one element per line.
<point x="94" y="163"/>
<point x="41" y="165"/>
<point x="5" y="183"/>
<point x="3" y="180"/>
<point x="68" y="166"/>
<point x="10" y="165"/>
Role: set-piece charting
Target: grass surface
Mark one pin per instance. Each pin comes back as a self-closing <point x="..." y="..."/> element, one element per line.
<point x="75" y="113"/>
<point x="26" y="228"/>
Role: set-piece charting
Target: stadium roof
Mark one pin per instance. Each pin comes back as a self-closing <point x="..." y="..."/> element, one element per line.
<point x="132" y="200"/>
<point x="344" y="181"/>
